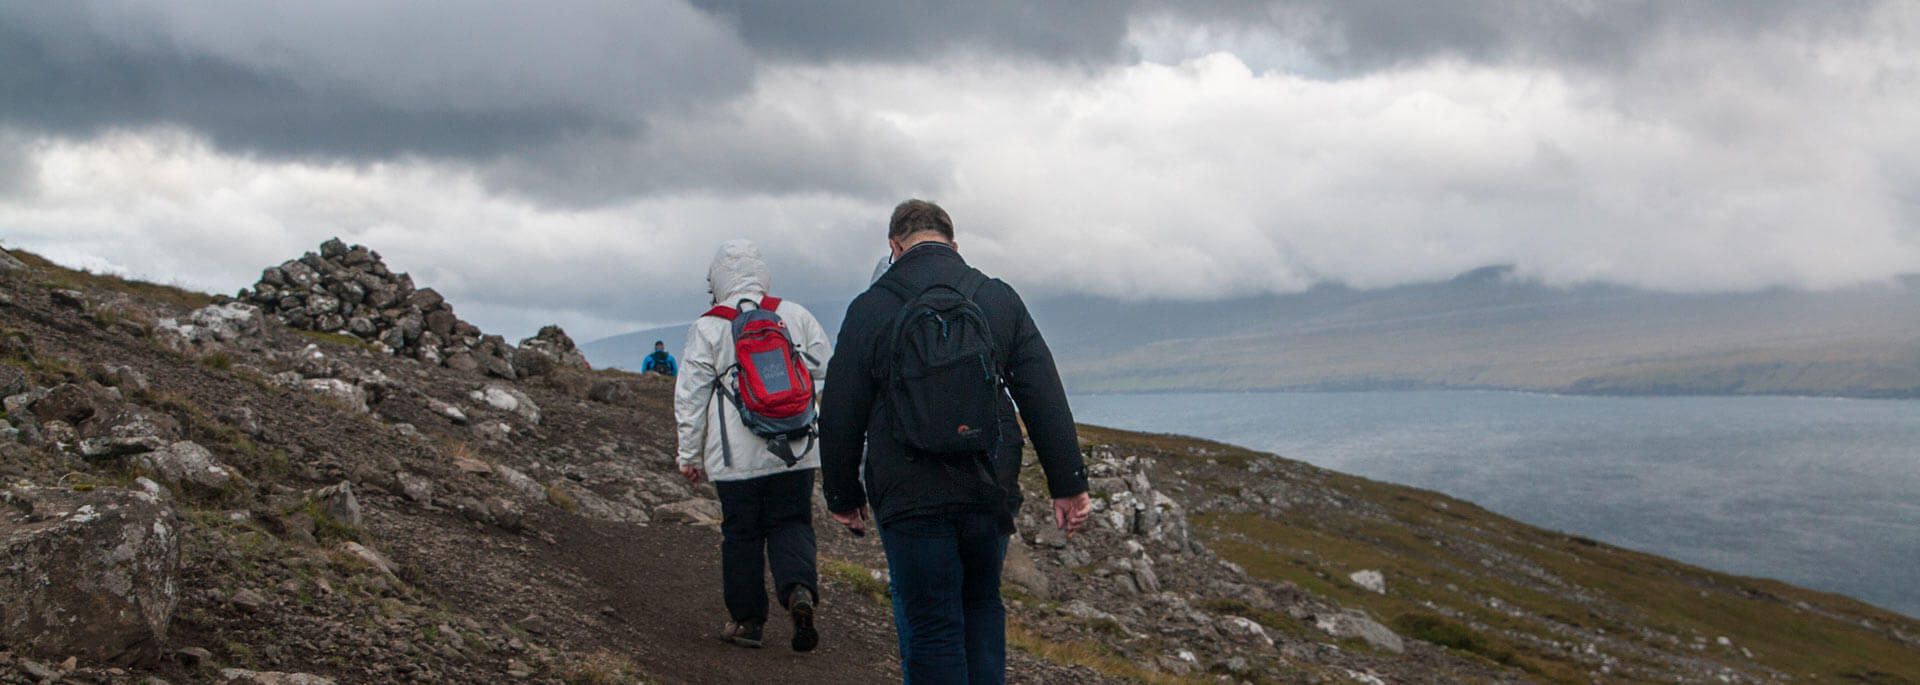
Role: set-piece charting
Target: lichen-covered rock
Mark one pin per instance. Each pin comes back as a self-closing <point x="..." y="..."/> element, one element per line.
<point x="366" y="555"/>
<point x="212" y="324"/>
<point x="695" y="511"/>
<point x="1369" y="579"/>
<point x="190" y="466"/>
<point x="592" y="505"/>
<point x="1244" y="630"/>
<point x="241" y="676"/>
<point x="338" y="502"/>
<point x="347" y="395"/>
<point x="510" y="400"/>
<point x="92" y="574"/>
<point x="521" y="483"/>
<point x="414" y="487"/>
<point x="1353" y="623"/>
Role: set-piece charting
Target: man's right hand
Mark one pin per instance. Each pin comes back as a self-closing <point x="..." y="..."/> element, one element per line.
<point x="854" y="519"/>
<point x="693" y="474"/>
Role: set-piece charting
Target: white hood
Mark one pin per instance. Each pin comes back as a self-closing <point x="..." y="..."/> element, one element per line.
<point x="738" y="271"/>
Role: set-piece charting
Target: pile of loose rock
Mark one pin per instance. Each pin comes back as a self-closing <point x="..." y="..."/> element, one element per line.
<point x="348" y="290"/>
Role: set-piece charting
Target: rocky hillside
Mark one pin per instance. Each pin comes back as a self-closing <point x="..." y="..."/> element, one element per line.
<point x="306" y="485"/>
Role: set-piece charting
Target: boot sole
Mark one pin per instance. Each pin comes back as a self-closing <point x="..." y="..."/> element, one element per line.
<point x="805" y="638"/>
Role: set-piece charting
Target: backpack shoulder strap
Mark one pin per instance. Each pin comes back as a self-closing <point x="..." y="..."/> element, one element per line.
<point x="971" y="283"/>
<point x="892" y="284"/>
<point x="723" y="312"/>
<point x="769" y="303"/>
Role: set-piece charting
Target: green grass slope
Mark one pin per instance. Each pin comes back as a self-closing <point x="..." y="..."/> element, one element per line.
<point x="1546" y="603"/>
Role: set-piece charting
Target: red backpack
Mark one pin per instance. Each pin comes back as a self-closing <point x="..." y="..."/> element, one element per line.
<point x="770" y="384"/>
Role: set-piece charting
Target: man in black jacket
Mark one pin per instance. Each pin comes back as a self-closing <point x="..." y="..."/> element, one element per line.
<point x="944" y="526"/>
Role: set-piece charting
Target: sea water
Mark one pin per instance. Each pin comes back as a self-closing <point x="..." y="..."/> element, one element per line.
<point x="1822" y="493"/>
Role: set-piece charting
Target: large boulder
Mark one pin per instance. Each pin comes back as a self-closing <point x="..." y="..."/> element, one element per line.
<point x="72" y="403"/>
<point x="1021" y="572"/>
<point x="90" y="574"/>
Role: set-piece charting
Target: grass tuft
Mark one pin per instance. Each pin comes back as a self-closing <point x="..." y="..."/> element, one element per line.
<point x="218" y="361"/>
<point x="600" y="668"/>
<point x="561" y="498"/>
<point x="1087" y="655"/>
<point x="856" y="578"/>
<point x="64" y="277"/>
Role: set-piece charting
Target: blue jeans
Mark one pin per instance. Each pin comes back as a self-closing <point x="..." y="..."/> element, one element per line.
<point x="900" y="629"/>
<point x="947" y="571"/>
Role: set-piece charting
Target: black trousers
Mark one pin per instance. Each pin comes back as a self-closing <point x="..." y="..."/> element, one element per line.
<point x="766" y="521"/>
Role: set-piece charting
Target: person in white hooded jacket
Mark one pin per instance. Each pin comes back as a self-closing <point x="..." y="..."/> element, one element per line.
<point x="766" y="505"/>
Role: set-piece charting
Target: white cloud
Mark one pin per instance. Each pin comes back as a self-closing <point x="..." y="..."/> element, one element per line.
<point x="166" y="206"/>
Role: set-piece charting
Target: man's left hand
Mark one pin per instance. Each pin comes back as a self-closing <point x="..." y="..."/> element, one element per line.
<point x="1071" y="512"/>
<point x="693" y="474"/>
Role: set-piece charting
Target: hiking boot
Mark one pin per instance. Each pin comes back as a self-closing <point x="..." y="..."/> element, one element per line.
<point x="743" y="634"/>
<point x="805" y="638"/>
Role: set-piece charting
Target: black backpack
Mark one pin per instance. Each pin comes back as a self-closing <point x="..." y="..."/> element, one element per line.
<point x="938" y="370"/>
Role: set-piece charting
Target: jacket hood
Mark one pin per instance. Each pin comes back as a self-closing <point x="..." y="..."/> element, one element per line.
<point x="738" y="272"/>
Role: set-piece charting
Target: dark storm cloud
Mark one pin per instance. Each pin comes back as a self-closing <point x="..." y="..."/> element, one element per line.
<point x="604" y="100"/>
<point x="76" y="69"/>
<point x="1369" y="34"/>
<point x="916" y="30"/>
<point x="1343" y="35"/>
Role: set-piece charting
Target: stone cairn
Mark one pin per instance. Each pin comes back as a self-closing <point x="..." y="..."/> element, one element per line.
<point x="347" y="290"/>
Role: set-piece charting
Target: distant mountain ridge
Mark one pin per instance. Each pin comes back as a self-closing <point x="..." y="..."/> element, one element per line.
<point x="1485" y="329"/>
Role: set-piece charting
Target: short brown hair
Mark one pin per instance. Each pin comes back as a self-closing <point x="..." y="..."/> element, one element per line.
<point x="914" y="216"/>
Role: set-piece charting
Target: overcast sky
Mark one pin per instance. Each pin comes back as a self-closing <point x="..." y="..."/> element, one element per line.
<point x="578" y="162"/>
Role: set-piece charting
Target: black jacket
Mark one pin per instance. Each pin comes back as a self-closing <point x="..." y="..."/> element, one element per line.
<point x="901" y="483"/>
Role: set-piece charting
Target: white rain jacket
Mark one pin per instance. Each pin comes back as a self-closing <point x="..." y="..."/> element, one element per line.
<point x="738" y="272"/>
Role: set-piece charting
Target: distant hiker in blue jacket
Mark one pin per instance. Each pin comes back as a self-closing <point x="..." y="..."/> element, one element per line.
<point x="660" y="361"/>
